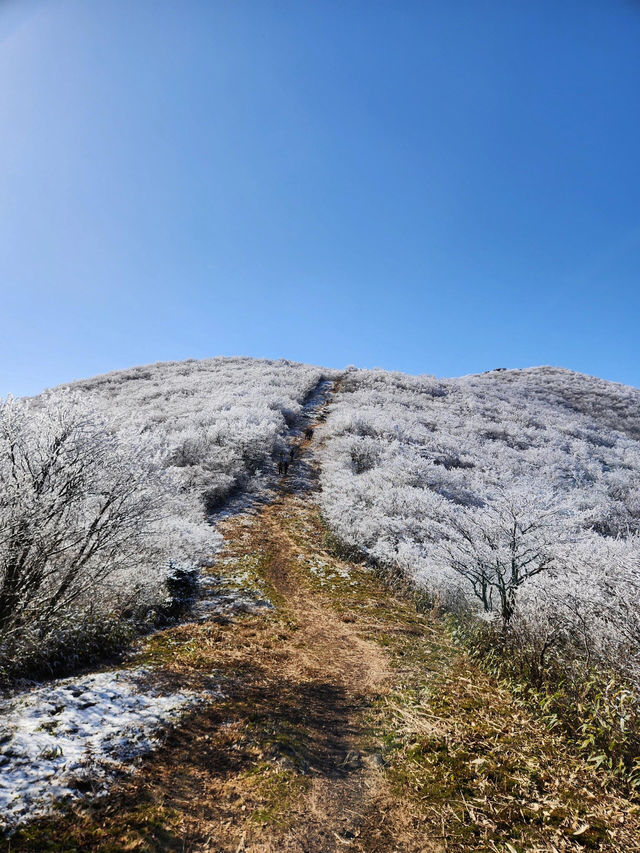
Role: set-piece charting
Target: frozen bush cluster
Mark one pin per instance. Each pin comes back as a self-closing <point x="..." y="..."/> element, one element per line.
<point x="516" y="490"/>
<point x="105" y="486"/>
<point x="222" y="420"/>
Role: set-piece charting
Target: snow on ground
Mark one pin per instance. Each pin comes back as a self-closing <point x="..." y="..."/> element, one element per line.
<point x="60" y="739"/>
<point x="226" y="596"/>
<point x="327" y="573"/>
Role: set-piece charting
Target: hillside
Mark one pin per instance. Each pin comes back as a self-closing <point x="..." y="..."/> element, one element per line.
<point x="610" y="405"/>
<point x="110" y="482"/>
<point x="489" y="488"/>
<point x="337" y="663"/>
<point x="221" y="421"/>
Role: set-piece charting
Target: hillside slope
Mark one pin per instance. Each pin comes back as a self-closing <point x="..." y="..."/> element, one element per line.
<point x="431" y="475"/>
<point x="109" y="482"/>
<point x="313" y="696"/>
<point x="222" y="421"/>
<point x="348" y="720"/>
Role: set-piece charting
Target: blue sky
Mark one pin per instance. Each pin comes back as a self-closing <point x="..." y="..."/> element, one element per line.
<point x="431" y="187"/>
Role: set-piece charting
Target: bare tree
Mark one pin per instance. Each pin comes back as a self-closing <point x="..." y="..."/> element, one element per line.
<point x="496" y="547"/>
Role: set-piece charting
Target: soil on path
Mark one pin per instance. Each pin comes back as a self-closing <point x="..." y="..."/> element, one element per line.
<point x="350" y="722"/>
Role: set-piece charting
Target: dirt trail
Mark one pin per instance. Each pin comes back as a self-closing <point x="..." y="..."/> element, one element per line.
<point x="333" y="670"/>
<point x="338" y="673"/>
<point x="351" y="722"/>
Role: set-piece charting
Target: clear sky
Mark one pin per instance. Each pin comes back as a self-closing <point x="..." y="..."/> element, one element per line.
<point x="434" y="187"/>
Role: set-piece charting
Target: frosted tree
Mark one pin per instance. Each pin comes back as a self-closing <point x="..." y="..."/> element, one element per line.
<point x="106" y="484"/>
<point x="513" y="537"/>
<point x="77" y="503"/>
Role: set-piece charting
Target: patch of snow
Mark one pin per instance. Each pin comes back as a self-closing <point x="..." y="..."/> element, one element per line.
<point x="327" y="572"/>
<point x="77" y="733"/>
<point x="219" y="598"/>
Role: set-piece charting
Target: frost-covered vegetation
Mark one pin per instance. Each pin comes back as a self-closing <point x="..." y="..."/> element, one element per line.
<point x="512" y="498"/>
<point x="222" y="420"/>
<point x="515" y="494"/>
<point x="105" y="488"/>
<point x="81" y="514"/>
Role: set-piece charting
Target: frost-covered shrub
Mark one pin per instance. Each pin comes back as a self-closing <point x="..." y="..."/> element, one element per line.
<point x="516" y="534"/>
<point x="414" y="467"/>
<point x="80" y="514"/>
<point x="588" y="610"/>
<point x="222" y="420"/>
<point x="573" y="649"/>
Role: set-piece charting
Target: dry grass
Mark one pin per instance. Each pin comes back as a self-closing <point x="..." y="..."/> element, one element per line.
<point x="351" y="722"/>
